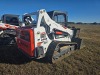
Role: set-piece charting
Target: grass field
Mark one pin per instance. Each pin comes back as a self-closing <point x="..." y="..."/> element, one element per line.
<point x="82" y="62"/>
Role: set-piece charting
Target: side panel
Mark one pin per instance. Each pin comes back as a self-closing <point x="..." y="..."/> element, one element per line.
<point x="25" y="41"/>
<point x="41" y="38"/>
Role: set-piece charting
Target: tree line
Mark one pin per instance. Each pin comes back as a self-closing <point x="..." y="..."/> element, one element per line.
<point x="94" y="23"/>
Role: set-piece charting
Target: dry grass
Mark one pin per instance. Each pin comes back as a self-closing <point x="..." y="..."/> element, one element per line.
<point x="83" y="62"/>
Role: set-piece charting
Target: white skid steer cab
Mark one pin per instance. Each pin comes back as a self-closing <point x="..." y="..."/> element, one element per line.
<point x="8" y="25"/>
<point x="46" y="34"/>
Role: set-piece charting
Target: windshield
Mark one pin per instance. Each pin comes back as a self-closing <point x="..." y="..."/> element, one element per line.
<point x="60" y="18"/>
<point x="12" y="20"/>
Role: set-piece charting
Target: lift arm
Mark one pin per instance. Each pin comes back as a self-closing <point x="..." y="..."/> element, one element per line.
<point x="52" y="24"/>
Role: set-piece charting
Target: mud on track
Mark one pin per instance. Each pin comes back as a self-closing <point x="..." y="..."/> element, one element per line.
<point x="82" y="62"/>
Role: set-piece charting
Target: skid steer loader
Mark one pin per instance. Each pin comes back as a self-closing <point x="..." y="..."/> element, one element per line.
<point x="8" y="25"/>
<point x="47" y="35"/>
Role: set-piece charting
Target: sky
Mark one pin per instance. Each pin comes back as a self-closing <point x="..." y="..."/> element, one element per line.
<point x="78" y="10"/>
